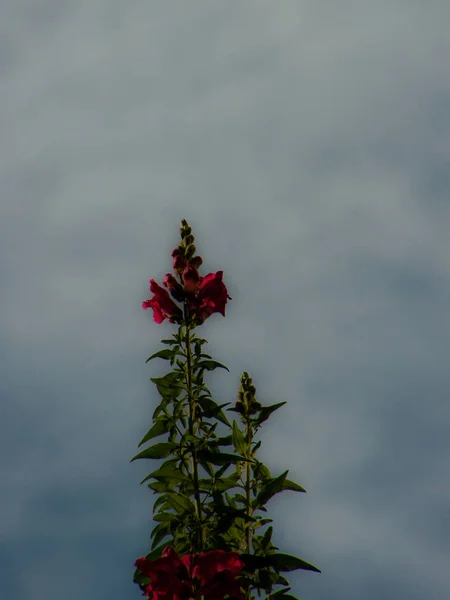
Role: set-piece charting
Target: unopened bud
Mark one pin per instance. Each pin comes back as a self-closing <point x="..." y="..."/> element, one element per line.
<point x="196" y="261"/>
<point x="248" y="397"/>
<point x="179" y="263"/>
<point x="254" y="408"/>
<point x="240" y="408"/>
<point x="190" y="251"/>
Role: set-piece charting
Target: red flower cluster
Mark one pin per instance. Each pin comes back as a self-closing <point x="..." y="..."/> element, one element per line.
<point x="205" y="295"/>
<point x="210" y="574"/>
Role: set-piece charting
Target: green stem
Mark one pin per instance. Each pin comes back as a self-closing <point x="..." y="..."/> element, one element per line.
<point x="248" y="433"/>
<point x="191" y="400"/>
<point x="249" y="438"/>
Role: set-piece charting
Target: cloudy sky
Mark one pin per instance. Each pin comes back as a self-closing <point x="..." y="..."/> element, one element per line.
<point x="307" y="143"/>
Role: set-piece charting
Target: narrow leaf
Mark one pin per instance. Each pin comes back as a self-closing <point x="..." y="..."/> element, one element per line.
<point x="180" y="503"/>
<point x="212" y="409"/>
<point x="285" y="562"/>
<point x="266" y="411"/>
<point x="210" y="365"/>
<point x="158" y="428"/>
<point x="279" y="593"/>
<point x="167" y="473"/>
<point x="219" y="458"/>
<point x="157" y="451"/>
<point x="271" y="487"/>
<point x="170" y="380"/>
<point x="267" y="537"/>
<point x="165" y="516"/>
<point x="239" y="442"/>
<point x="166" y="354"/>
<point x="291" y="485"/>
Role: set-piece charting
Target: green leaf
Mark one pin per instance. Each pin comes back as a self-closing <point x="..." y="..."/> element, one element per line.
<point x="157" y="451"/>
<point x="291" y="485"/>
<point x="224" y="441"/>
<point x="212" y="409"/>
<point x="166" y="354"/>
<point x="257" y="445"/>
<point x="167" y="473"/>
<point x="225" y="484"/>
<point x="279" y="593"/>
<point x="221" y="471"/>
<point x="271" y="487"/>
<point x="159" y="487"/>
<point x="161" y="531"/>
<point x="208" y="468"/>
<point x="180" y="503"/>
<point x="210" y="365"/>
<point x="265" y="541"/>
<point x="260" y="471"/>
<point x="170" y="380"/>
<point x="239" y="442"/>
<point x="266" y="411"/>
<point x="158" y="428"/>
<point x="286" y="562"/>
<point x="158" y="502"/>
<point x="165" y="516"/>
<point x="219" y="458"/>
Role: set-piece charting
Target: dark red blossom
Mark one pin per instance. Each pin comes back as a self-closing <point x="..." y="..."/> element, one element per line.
<point x="167" y="576"/>
<point x="191" y="279"/>
<point x="210" y="574"/>
<point x="202" y="296"/>
<point x="162" y="304"/>
<point x="211" y="297"/>
<point x="175" y="288"/>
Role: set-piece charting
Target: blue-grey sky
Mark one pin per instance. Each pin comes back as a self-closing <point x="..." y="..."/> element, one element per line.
<point x="308" y="145"/>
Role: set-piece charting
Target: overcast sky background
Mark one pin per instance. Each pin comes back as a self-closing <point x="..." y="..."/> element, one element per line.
<point x="307" y="143"/>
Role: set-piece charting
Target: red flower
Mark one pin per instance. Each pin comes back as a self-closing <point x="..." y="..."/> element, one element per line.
<point x="206" y="295"/>
<point x="191" y="279"/>
<point x="212" y="296"/>
<point x="167" y="575"/>
<point x="216" y="572"/>
<point x="175" y="288"/>
<point x="162" y="304"/>
<point x="210" y="574"/>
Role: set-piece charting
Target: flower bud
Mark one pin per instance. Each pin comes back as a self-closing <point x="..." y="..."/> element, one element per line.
<point x="190" y="251"/>
<point x="248" y="397"/>
<point x="254" y="408"/>
<point x="196" y="261"/>
<point x="179" y="262"/>
<point x="240" y="408"/>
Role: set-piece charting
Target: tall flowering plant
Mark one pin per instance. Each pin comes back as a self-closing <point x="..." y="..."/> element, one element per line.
<point x="212" y="488"/>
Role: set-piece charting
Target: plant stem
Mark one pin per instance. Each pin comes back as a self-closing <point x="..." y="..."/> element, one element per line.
<point x="248" y="434"/>
<point x="249" y="437"/>
<point x="194" y="462"/>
